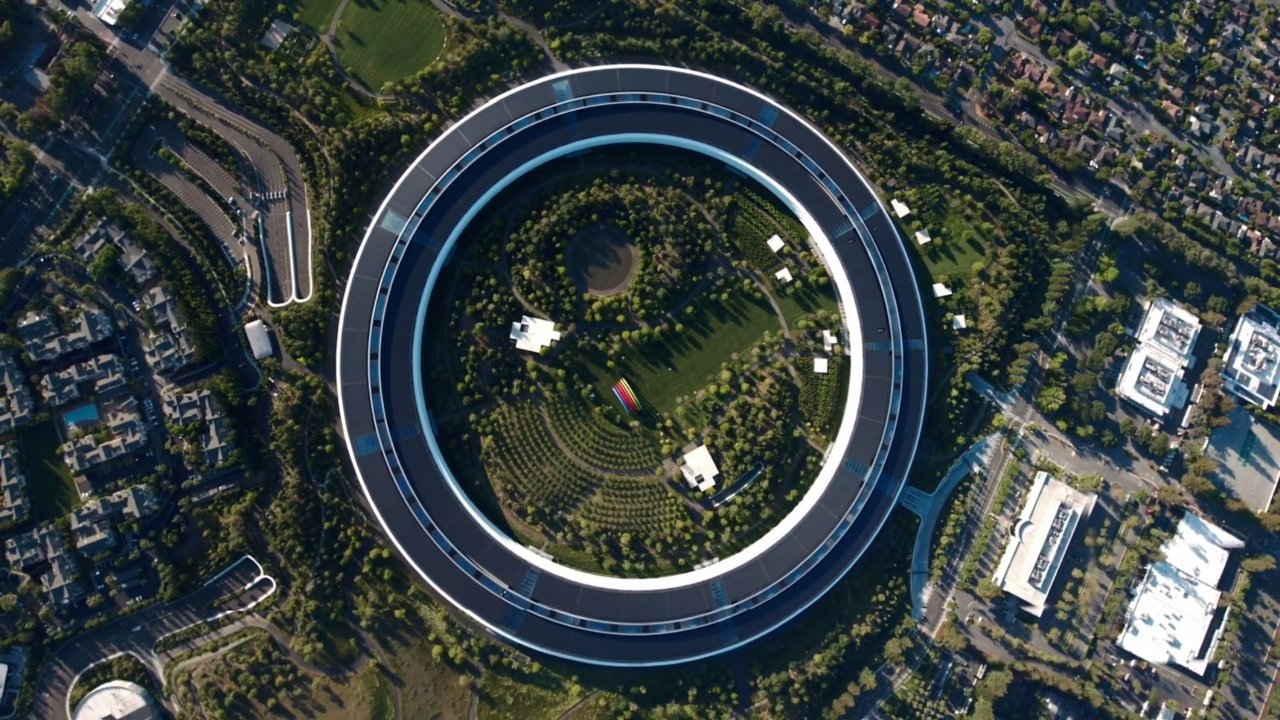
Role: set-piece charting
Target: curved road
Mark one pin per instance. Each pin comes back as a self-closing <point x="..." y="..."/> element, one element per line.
<point x="236" y="589"/>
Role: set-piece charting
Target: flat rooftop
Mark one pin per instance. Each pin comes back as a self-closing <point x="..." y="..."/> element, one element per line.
<point x="1152" y="376"/>
<point x="1152" y="380"/>
<point x="1171" y="327"/>
<point x="1040" y="538"/>
<point x="1176" y="606"/>
<point x="1248" y="455"/>
<point x="700" y="469"/>
<point x="534" y="334"/>
<point x="1252" y="359"/>
<point x="1169" y="619"/>
<point x="1199" y="549"/>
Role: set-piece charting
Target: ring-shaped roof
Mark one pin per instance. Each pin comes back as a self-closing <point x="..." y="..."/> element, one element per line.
<point x="519" y="594"/>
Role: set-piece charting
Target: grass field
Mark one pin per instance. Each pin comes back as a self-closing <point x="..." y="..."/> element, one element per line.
<point x="811" y="299"/>
<point x="665" y="370"/>
<point x="955" y="248"/>
<point x="383" y="40"/>
<point x="317" y="13"/>
<point x="53" y="491"/>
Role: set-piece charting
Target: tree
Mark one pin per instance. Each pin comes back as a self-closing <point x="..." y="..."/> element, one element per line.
<point x="987" y="589"/>
<point x="1270" y="521"/>
<point x="1089" y="483"/>
<point x="994" y="685"/>
<point x="950" y="637"/>
<point x="983" y="709"/>
<point x="1077" y="56"/>
<point x="1197" y="485"/>
<point x="1258" y="563"/>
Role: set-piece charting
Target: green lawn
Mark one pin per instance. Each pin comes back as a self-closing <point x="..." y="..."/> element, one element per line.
<point x="955" y="248"/>
<point x="53" y="491"/>
<point x="382" y="40"/>
<point x="796" y="305"/>
<point x="663" y="371"/>
<point x="317" y="13"/>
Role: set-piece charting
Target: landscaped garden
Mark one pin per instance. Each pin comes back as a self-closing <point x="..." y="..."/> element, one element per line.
<point x="657" y="272"/>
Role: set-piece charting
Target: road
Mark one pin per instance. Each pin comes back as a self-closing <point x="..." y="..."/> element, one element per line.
<point x="280" y="193"/>
<point x="240" y="587"/>
<point x="954" y="108"/>
<point x="35" y="204"/>
<point x="1137" y="115"/>
<point x="226" y="226"/>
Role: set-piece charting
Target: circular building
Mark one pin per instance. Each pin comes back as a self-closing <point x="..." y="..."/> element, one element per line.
<point x="517" y="593"/>
<point x="118" y="699"/>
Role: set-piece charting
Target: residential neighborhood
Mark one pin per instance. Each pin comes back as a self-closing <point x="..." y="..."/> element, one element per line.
<point x="892" y="359"/>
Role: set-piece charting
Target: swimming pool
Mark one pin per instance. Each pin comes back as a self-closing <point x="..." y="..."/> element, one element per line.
<point x="84" y="415"/>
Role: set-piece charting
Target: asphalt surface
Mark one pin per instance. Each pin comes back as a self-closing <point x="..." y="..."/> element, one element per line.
<point x="138" y="634"/>
<point x="391" y="444"/>
<point x="189" y="193"/>
<point x="280" y="194"/>
<point x="278" y="190"/>
<point x="32" y="206"/>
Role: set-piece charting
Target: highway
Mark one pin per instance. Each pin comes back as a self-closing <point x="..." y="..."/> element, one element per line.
<point x="516" y="594"/>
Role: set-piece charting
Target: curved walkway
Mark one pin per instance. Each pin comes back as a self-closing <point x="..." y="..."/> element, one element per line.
<point x="928" y="506"/>
<point x="327" y="38"/>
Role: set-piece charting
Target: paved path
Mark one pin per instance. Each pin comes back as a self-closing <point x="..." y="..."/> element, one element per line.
<point x="531" y="31"/>
<point x="929" y="506"/>
<point x="238" y="588"/>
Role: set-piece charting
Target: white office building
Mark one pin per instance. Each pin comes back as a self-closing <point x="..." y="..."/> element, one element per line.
<point x="699" y="468"/>
<point x="534" y="334"/>
<point x="1152" y="376"/>
<point x="259" y="339"/>
<point x="1040" y="539"/>
<point x="1252" y="362"/>
<point x="1173" y="614"/>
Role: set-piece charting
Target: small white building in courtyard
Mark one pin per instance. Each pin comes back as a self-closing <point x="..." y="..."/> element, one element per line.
<point x="700" y="469"/>
<point x="534" y="334"/>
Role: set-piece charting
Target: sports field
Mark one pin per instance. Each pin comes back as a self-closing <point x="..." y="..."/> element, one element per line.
<point x="383" y="40"/>
<point x="665" y="370"/>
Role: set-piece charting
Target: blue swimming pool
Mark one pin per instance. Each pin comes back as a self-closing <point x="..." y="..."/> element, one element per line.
<point x="83" y="415"/>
